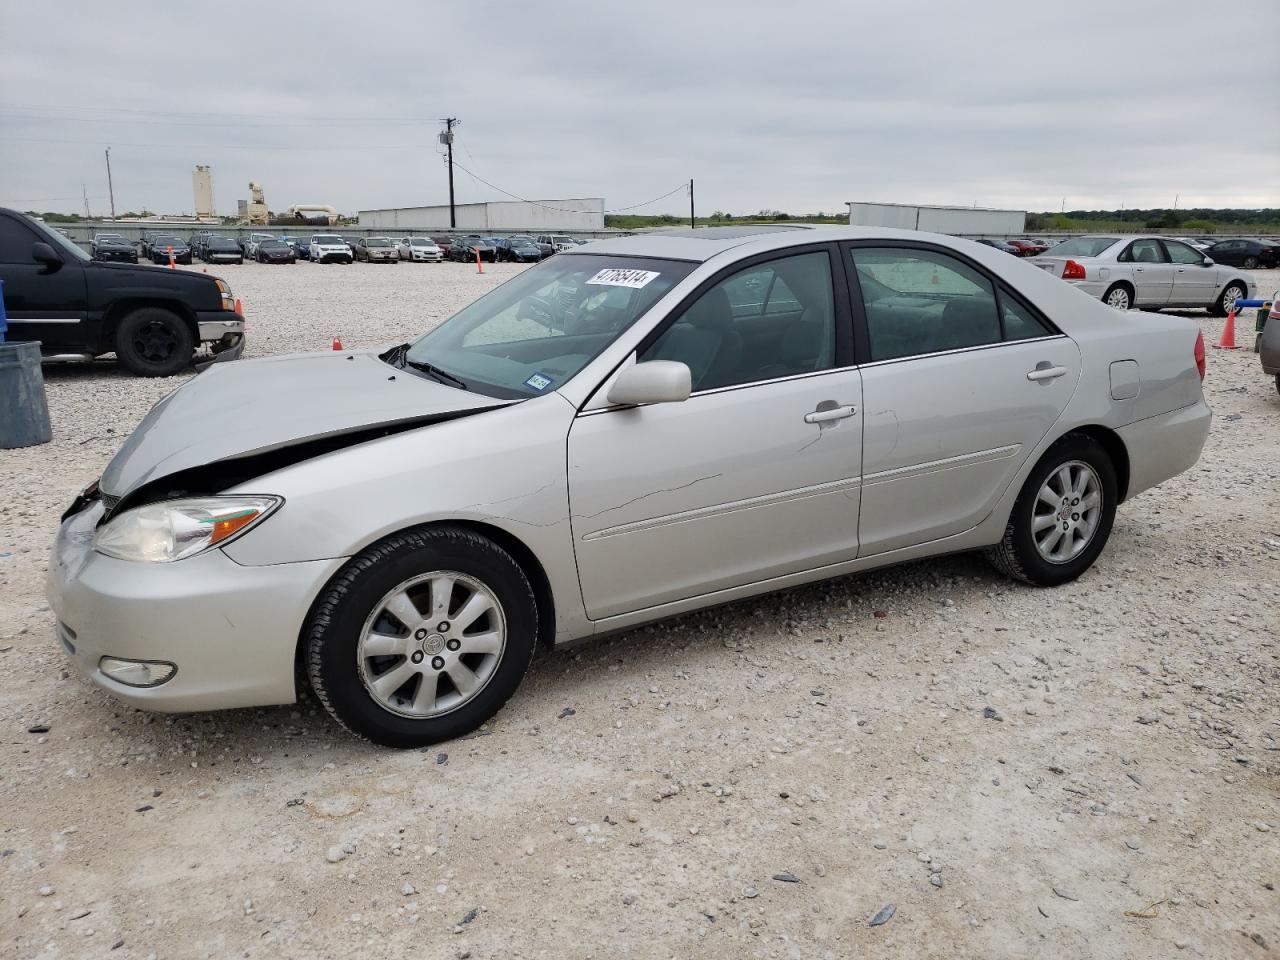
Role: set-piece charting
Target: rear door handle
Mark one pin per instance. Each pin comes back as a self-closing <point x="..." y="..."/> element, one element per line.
<point x="1047" y="373"/>
<point x="835" y="413"/>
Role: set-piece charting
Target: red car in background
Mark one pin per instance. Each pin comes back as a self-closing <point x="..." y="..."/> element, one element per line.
<point x="1028" y="248"/>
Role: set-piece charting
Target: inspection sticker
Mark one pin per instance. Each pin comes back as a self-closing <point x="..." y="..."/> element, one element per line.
<point x="539" y="381"/>
<point x="617" y="277"/>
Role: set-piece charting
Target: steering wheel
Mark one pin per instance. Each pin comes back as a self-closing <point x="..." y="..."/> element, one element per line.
<point x="540" y="310"/>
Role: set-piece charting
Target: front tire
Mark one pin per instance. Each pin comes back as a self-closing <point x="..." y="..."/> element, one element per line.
<point x="1233" y="292"/>
<point x="153" y="342"/>
<point x="422" y="637"/>
<point x="1063" y="516"/>
<point x="1119" y="297"/>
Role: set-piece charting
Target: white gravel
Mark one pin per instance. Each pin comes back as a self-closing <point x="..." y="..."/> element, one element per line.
<point x="834" y="733"/>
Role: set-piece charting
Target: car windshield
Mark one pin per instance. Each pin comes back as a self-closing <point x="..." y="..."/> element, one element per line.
<point x="419" y="242"/>
<point x="221" y="243"/>
<point x="377" y="242"/>
<point x="326" y="238"/>
<point x="537" y="331"/>
<point x="272" y="244"/>
<point x="1084" y="246"/>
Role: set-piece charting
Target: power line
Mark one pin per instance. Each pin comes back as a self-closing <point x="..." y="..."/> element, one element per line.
<point x="222" y="146"/>
<point x="200" y="116"/>
<point x="536" y="203"/>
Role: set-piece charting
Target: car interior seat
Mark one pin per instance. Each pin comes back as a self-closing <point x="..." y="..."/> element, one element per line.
<point x="705" y="340"/>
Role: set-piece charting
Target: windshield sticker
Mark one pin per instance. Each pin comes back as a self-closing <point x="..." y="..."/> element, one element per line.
<point x="617" y="277"/>
<point x="539" y="381"/>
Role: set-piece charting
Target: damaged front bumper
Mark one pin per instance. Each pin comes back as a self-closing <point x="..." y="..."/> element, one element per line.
<point x="231" y="631"/>
<point x="225" y="336"/>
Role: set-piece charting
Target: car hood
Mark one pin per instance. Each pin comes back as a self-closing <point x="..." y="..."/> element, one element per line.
<point x="235" y="410"/>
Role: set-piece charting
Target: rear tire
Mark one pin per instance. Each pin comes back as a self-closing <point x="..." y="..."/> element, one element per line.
<point x="1027" y="550"/>
<point x="153" y="342"/>
<point x="1251" y="263"/>
<point x="359" y="612"/>
<point x="1119" y="297"/>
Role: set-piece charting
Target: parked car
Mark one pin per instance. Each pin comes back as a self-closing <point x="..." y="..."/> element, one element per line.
<point x="465" y="249"/>
<point x="557" y="241"/>
<point x="162" y="247"/>
<point x="79" y="309"/>
<point x="1027" y="248"/>
<point x="444" y="243"/>
<point x="1146" y="271"/>
<point x="397" y="524"/>
<point x="329" y="248"/>
<point x="112" y="246"/>
<point x="419" y="250"/>
<point x="519" y="250"/>
<point x="1248" y="254"/>
<point x="275" y="251"/>
<point x="222" y="250"/>
<point x="250" y="244"/>
<point x="1269" y="341"/>
<point x="1000" y="245"/>
<point x="376" y="249"/>
<point x="296" y="244"/>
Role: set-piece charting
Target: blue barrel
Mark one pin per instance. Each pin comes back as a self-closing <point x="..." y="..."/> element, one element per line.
<point x="24" y="409"/>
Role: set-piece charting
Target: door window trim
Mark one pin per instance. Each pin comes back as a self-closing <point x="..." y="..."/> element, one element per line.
<point x="1001" y="289"/>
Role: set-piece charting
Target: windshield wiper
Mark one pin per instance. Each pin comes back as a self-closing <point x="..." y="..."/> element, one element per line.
<point x="399" y="357"/>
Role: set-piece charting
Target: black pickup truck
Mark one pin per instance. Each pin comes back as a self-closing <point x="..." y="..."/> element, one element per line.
<point x="152" y="318"/>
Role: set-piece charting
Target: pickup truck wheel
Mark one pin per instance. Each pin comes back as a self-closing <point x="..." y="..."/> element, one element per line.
<point x="153" y="342"/>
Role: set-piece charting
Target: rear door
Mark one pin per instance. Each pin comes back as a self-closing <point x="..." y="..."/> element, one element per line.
<point x="1193" y="282"/>
<point x="962" y="380"/>
<point x="43" y="303"/>
<point x="1152" y="272"/>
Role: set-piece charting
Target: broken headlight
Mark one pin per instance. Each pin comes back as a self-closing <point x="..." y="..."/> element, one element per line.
<point x="177" y="529"/>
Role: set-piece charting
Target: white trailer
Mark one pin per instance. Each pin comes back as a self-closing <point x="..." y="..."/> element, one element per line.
<point x="957" y="221"/>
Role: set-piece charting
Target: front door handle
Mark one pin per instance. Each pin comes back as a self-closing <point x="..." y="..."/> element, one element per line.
<point x="835" y="413"/>
<point x="1047" y="373"/>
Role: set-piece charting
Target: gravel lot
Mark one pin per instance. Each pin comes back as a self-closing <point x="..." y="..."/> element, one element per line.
<point x="1013" y="769"/>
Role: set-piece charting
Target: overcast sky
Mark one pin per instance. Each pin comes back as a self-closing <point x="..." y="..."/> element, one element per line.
<point x="795" y="106"/>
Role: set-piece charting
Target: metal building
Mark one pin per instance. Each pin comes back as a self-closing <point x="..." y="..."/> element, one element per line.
<point x="529" y="216"/>
<point x="957" y="221"/>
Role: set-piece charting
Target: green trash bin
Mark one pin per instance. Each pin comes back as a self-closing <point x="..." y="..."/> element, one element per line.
<point x="24" y="409"/>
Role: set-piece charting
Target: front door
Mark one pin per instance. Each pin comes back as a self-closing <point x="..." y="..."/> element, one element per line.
<point x="755" y="476"/>
<point x="1193" y="282"/>
<point x="44" y="303"/>
<point x="1152" y="272"/>
<point x="964" y="379"/>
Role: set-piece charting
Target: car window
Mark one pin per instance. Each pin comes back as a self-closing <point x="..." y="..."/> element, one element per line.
<point x="1143" y="251"/>
<point x="1083" y="247"/>
<point x="1181" y="253"/>
<point x="763" y="322"/>
<point x="921" y="301"/>
<point x="15" y="242"/>
<point x="1019" y="322"/>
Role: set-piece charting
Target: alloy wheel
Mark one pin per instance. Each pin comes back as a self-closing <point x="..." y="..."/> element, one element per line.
<point x="155" y="341"/>
<point x="1118" y="298"/>
<point x="1066" y="511"/>
<point x="431" y="644"/>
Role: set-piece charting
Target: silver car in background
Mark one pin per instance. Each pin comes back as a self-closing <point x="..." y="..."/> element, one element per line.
<point x="419" y="250"/>
<point x="1146" y="271"/>
<point x="624" y="432"/>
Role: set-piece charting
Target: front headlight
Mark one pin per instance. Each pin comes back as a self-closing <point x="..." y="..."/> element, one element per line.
<point x="176" y="529"/>
<point x="228" y="301"/>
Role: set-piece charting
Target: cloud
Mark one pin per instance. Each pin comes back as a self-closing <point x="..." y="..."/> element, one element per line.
<point x="798" y="106"/>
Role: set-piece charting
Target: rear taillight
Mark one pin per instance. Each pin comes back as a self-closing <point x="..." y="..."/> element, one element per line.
<point x="1200" y="354"/>
<point x="1072" y="271"/>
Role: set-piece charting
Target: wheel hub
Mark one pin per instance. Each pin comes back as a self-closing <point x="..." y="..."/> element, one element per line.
<point x="1066" y="512"/>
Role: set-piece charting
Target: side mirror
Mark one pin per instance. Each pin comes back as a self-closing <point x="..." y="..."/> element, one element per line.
<point x="41" y="252"/>
<point x="654" y="381"/>
<point x="1207" y="262"/>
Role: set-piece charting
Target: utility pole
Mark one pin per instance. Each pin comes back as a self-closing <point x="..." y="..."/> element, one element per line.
<point x="110" y="189"/>
<point x="447" y="139"/>
<point x="693" y="224"/>
<point x="84" y="191"/>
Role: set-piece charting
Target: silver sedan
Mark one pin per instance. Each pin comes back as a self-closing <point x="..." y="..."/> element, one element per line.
<point x="625" y="432"/>
<point x="1147" y="271"/>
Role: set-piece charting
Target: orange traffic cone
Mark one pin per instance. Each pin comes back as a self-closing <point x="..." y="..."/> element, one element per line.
<point x="1228" y="340"/>
<point x="479" y="264"/>
<point x="337" y="344"/>
<point x="172" y="265"/>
